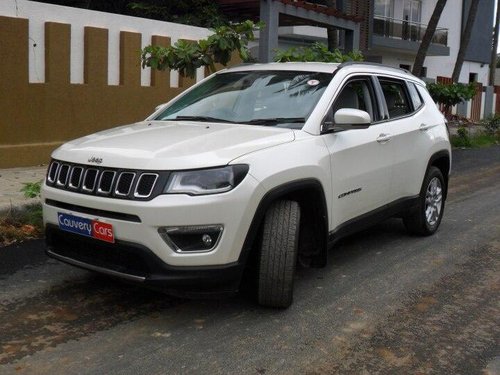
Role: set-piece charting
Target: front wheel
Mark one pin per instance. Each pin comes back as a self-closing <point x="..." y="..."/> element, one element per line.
<point x="425" y="219"/>
<point x="278" y="254"/>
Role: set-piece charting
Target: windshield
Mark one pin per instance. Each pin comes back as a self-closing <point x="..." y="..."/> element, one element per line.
<point x="273" y="98"/>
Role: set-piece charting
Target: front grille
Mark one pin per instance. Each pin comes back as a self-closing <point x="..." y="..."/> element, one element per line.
<point x="110" y="182"/>
<point x="75" y="177"/>
<point x="89" y="181"/>
<point x="106" y="182"/>
<point x="145" y="185"/>
<point x="62" y="176"/>
<point x="124" y="183"/>
<point x="52" y="172"/>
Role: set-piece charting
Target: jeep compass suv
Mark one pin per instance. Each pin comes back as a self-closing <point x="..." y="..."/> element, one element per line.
<point x="256" y="168"/>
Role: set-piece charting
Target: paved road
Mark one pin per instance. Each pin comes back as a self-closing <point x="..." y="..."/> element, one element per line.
<point x="386" y="303"/>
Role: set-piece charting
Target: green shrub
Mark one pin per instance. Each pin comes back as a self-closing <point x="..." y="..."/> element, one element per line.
<point x="31" y="189"/>
<point x="462" y="139"/>
<point x="478" y="139"/>
<point x="491" y="124"/>
<point x="451" y="94"/>
<point x="317" y="52"/>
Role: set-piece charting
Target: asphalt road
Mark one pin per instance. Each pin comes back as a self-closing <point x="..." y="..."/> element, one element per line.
<point x="386" y="303"/>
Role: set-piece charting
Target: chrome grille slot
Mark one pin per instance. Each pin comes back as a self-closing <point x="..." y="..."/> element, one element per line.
<point x="62" y="176"/>
<point x="89" y="181"/>
<point x="51" y="176"/>
<point x="102" y="181"/>
<point x="145" y="185"/>
<point x="106" y="182"/>
<point x="75" y="177"/>
<point x="124" y="184"/>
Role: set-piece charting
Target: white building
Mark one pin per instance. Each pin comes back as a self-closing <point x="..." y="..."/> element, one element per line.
<point x="391" y="31"/>
<point x="408" y="19"/>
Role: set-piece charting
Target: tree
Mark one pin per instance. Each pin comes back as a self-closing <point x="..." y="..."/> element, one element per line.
<point x="450" y="95"/>
<point x="464" y="40"/>
<point x="494" y="58"/>
<point x="203" y="13"/>
<point x="186" y="57"/>
<point x="426" y="40"/>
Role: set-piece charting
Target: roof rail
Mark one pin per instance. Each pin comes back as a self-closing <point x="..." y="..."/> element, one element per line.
<point x="349" y="63"/>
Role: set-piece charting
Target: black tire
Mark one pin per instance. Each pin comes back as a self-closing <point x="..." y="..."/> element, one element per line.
<point x="278" y="254"/>
<point x="424" y="220"/>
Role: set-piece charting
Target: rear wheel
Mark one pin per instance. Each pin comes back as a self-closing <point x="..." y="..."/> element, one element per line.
<point x="425" y="219"/>
<point x="278" y="254"/>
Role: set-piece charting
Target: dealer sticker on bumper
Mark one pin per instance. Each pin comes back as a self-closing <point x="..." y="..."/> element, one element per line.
<point x="86" y="227"/>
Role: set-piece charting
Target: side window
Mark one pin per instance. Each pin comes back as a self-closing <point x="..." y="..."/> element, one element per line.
<point x="396" y="98"/>
<point x="357" y="94"/>
<point x="415" y="96"/>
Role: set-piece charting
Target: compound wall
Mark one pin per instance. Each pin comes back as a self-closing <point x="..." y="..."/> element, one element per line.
<point x="67" y="72"/>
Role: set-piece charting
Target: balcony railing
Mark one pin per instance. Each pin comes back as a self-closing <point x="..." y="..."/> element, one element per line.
<point x="406" y="30"/>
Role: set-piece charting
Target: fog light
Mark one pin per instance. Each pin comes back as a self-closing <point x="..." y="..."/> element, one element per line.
<point x="196" y="238"/>
<point x="207" y="240"/>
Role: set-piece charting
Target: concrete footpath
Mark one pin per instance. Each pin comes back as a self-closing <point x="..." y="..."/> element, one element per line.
<point x="12" y="180"/>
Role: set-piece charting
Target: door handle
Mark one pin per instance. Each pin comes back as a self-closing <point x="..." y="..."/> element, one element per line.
<point x="383" y="138"/>
<point x="424" y="127"/>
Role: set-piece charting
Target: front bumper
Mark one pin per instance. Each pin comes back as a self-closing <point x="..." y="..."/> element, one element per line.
<point x="138" y="222"/>
<point x="136" y="263"/>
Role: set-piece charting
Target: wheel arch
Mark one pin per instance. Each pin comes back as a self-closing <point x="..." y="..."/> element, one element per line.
<point x="310" y="195"/>
<point x="442" y="161"/>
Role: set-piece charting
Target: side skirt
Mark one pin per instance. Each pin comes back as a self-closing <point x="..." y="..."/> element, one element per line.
<point x="371" y="218"/>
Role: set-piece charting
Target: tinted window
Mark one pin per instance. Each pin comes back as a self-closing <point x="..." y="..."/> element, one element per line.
<point x="396" y="98"/>
<point x="415" y="96"/>
<point x="357" y="94"/>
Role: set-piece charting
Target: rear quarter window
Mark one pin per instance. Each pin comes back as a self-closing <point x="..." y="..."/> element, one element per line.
<point x="416" y="99"/>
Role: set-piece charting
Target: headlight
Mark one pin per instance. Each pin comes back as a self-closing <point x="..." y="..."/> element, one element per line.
<point x="206" y="181"/>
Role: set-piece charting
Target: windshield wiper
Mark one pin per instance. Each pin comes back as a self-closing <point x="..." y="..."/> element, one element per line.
<point x="198" y="118"/>
<point x="274" y="121"/>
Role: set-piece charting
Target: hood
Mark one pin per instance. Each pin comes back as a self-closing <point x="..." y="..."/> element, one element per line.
<point x="170" y="145"/>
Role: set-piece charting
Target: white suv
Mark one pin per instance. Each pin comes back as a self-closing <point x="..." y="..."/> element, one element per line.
<point x="254" y="169"/>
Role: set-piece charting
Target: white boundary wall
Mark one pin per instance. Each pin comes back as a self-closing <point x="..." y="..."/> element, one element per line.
<point x="39" y="13"/>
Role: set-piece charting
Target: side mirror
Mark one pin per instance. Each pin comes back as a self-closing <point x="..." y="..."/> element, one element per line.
<point x="350" y="118"/>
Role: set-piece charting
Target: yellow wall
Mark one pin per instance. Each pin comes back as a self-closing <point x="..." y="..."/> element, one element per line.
<point x="35" y="118"/>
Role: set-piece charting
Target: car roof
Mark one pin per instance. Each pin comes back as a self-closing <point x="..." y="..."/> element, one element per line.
<point x="350" y="67"/>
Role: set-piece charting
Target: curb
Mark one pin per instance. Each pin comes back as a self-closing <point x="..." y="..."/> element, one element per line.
<point x="4" y="209"/>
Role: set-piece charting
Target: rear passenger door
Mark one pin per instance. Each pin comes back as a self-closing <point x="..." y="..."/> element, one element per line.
<point x="409" y="139"/>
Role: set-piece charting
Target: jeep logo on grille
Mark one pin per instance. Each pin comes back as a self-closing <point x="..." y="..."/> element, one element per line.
<point x="93" y="159"/>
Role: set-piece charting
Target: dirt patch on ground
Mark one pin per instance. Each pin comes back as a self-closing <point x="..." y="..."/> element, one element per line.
<point x="71" y="312"/>
<point x="452" y="328"/>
